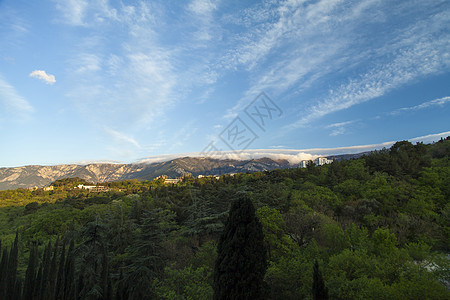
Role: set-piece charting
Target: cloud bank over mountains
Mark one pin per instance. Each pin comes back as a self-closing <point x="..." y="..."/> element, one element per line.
<point x="291" y="155"/>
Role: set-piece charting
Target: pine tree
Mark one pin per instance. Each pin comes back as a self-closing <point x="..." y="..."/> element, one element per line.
<point x="93" y="251"/>
<point x="320" y="292"/>
<point x="241" y="254"/>
<point x="146" y="258"/>
<point x="121" y="290"/>
<point x="104" y="275"/>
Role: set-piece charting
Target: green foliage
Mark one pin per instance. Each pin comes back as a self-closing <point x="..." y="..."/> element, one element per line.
<point x="188" y="283"/>
<point x="276" y="240"/>
<point x="290" y="277"/>
<point x="378" y="226"/>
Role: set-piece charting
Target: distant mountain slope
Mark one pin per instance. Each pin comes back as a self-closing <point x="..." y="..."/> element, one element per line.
<point x="39" y="176"/>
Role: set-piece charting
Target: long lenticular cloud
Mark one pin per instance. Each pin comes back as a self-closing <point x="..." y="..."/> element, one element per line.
<point x="291" y="155"/>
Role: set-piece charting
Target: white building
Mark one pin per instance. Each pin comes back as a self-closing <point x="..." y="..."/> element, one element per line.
<point x="322" y="161"/>
<point x="94" y="188"/>
<point x="304" y="163"/>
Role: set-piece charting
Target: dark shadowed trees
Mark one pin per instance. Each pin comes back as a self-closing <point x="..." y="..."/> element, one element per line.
<point x="320" y="292"/>
<point x="241" y="255"/>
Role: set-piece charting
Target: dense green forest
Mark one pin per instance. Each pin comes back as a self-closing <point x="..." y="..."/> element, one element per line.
<point x="377" y="227"/>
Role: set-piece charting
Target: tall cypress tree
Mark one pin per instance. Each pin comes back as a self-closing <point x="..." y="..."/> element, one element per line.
<point x="320" y="292"/>
<point x="46" y="261"/>
<point x="241" y="254"/>
<point x="69" y="270"/>
<point x="12" y="269"/>
<point x="49" y="294"/>
<point x="4" y="273"/>
<point x="59" y="288"/>
<point x="17" y="291"/>
<point x="30" y="275"/>
<point x="38" y="284"/>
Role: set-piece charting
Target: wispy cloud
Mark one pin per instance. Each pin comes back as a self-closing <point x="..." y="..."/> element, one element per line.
<point x="85" y="13"/>
<point x="73" y="11"/>
<point x="339" y="128"/>
<point x="323" y="38"/>
<point x="425" y="58"/>
<point x="435" y="102"/>
<point x="42" y="75"/>
<point x="122" y="138"/>
<point x="11" y="101"/>
<point x="132" y="82"/>
<point x="289" y="49"/>
<point x="202" y="7"/>
<point x="86" y="63"/>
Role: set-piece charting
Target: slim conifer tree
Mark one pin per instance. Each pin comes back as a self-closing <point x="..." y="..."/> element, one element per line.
<point x="4" y="272"/>
<point x="69" y="270"/>
<point x="46" y="261"/>
<point x="38" y="284"/>
<point x="241" y="255"/>
<point x="320" y="292"/>
<point x="30" y="275"/>
<point x="12" y="269"/>
<point x="53" y="272"/>
<point x="59" y="288"/>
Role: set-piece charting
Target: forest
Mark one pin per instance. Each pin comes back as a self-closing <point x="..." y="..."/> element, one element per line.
<point x="376" y="227"/>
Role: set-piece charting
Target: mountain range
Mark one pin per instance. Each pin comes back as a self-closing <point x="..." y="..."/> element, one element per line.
<point x="40" y="176"/>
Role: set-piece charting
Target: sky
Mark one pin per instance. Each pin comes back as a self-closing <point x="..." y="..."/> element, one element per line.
<point x="103" y="80"/>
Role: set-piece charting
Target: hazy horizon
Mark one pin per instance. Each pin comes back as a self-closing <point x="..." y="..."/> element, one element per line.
<point x="294" y="156"/>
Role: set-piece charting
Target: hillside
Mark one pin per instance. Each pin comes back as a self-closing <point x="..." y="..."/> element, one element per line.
<point x="39" y="176"/>
<point x="377" y="226"/>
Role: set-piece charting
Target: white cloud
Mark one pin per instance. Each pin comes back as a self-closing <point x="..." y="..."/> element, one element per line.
<point x="86" y="63"/>
<point x="122" y="138"/>
<point x="282" y="48"/>
<point x="85" y="13"/>
<point x="340" y="124"/>
<point x="430" y="137"/>
<point x="202" y="7"/>
<point x="131" y="84"/>
<point x="435" y="102"/>
<point x="321" y="39"/>
<point x="339" y="128"/>
<point x="292" y="155"/>
<point x="424" y="59"/>
<point x="40" y="74"/>
<point x="11" y="101"/>
<point x="73" y="11"/>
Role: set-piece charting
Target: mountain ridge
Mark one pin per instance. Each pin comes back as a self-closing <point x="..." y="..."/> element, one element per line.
<point x="40" y="176"/>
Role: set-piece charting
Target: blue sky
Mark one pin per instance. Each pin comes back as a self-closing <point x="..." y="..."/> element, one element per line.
<point x="123" y="80"/>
